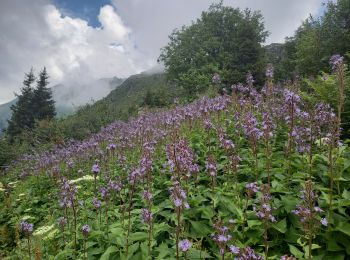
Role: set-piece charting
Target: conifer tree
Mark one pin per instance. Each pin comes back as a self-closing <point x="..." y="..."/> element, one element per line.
<point x="43" y="103"/>
<point x="22" y="112"/>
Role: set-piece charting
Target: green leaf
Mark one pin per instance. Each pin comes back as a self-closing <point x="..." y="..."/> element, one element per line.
<point x="289" y="203"/>
<point x="64" y="254"/>
<point x="108" y="252"/>
<point x="138" y="236"/>
<point x="133" y="248"/>
<point x="117" y="232"/>
<point x="346" y="194"/>
<point x="144" y="250"/>
<point x="252" y="223"/>
<point x="296" y="252"/>
<point x="344" y="228"/>
<point x="281" y="226"/>
<point x="332" y="245"/>
<point x="197" y="254"/>
<point x="200" y="228"/>
<point x="90" y="244"/>
<point x="95" y="250"/>
<point x="160" y="227"/>
<point x="163" y="251"/>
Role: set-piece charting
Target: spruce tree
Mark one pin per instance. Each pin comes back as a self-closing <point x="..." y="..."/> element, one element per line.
<point x="22" y="112"/>
<point x="43" y="103"/>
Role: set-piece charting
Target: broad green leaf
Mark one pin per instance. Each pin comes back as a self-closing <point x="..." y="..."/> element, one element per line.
<point x="194" y="253"/>
<point x="108" y="252"/>
<point x="63" y="255"/>
<point x="200" y="228"/>
<point x="163" y="251"/>
<point x="138" y="236"/>
<point x="296" y="252"/>
<point x="253" y="223"/>
<point x="280" y="226"/>
<point x="346" y="194"/>
<point x="344" y="228"/>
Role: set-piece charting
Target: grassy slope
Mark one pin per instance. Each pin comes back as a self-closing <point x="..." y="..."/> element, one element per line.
<point x="121" y="103"/>
<point x="37" y="197"/>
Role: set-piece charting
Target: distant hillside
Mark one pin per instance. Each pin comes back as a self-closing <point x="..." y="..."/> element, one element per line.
<point x="5" y="113"/>
<point x="274" y="52"/>
<point x="70" y="97"/>
<point x="123" y="101"/>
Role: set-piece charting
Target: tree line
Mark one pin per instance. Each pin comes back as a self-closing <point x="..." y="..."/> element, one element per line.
<point x="308" y="51"/>
<point x="33" y="104"/>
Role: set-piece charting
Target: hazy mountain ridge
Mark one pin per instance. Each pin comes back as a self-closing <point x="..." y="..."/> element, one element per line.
<point x="70" y="97"/>
<point x="122" y="102"/>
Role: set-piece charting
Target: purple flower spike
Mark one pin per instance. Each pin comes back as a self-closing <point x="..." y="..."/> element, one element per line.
<point x="269" y="71"/>
<point x="216" y="78"/>
<point x="85" y="230"/>
<point x="234" y="249"/>
<point x="95" y="168"/>
<point x="336" y="60"/>
<point x="26" y="228"/>
<point x="61" y="222"/>
<point x="96" y="203"/>
<point x="184" y="245"/>
<point x="147" y="216"/>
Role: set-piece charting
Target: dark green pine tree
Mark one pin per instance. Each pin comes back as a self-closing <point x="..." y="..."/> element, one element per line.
<point x="43" y="103"/>
<point x="22" y="112"/>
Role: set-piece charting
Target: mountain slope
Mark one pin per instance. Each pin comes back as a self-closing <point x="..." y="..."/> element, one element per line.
<point x="69" y="97"/>
<point x="5" y="113"/>
<point x="122" y="102"/>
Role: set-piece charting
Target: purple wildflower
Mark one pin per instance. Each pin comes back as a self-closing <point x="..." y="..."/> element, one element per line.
<point x="221" y="237"/>
<point x="96" y="203"/>
<point x="248" y="254"/>
<point x="216" y="79"/>
<point x="147" y="216"/>
<point x="184" y="245"/>
<point x="252" y="188"/>
<point x="269" y="71"/>
<point x="85" y="230"/>
<point x="178" y="196"/>
<point x="147" y="196"/>
<point x="234" y="249"/>
<point x="104" y="193"/>
<point x="26" y="228"/>
<point x="336" y="60"/>
<point x="62" y="222"/>
<point x="211" y="166"/>
<point x="286" y="257"/>
<point x="95" y="169"/>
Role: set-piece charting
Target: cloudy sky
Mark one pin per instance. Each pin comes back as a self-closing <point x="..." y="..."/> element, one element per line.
<point x="79" y="40"/>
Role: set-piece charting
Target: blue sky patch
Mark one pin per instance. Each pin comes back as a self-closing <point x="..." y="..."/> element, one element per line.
<point x="84" y="9"/>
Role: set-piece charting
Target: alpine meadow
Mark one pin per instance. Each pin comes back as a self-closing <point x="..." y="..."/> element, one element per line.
<point x="228" y="146"/>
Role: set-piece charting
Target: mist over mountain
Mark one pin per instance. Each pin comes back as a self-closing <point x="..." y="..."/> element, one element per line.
<point x="70" y="96"/>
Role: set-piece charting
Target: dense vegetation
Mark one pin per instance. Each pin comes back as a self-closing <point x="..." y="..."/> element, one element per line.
<point x="307" y="52"/>
<point x="230" y="56"/>
<point x="247" y="173"/>
<point x="258" y="171"/>
<point x="124" y="101"/>
<point x="223" y="40"/>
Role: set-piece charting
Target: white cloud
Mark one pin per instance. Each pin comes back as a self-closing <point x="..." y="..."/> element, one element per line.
<point x="39" y="35"/>
<point x="129" y="40"/>
<point x="153" y="20"/>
